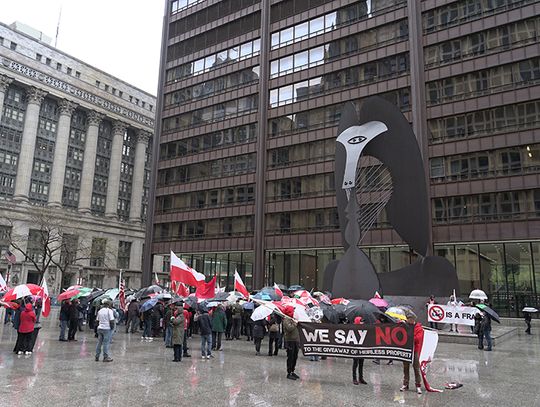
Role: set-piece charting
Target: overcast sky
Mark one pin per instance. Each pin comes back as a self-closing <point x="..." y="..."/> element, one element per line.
<point x="120" y="37"/>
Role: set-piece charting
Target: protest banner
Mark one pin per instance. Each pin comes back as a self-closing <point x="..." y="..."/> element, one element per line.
<point x="381" y="341"/>
<point x="450" y="314"/>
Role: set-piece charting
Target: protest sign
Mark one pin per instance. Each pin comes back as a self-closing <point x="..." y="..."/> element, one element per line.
<point x="449" y="314"/>
<point x="381" y="341"/>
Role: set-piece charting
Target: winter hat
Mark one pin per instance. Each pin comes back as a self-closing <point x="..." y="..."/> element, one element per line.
<point x="358" y="320"/>
<point x="28" y="307"/>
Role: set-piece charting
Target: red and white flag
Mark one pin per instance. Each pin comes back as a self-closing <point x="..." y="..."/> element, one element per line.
<point x="182" y="273"/>
<point x="3" y="284"/>
<point x="239" y="285"/>
<point x="205" y="291"/>
<point x="278" y="290"/>
<point x="179" y="288"/>
<point x="122" y="294"/>
<point x="46" y="300"/>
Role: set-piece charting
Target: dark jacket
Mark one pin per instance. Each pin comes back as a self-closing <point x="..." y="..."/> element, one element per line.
<point x="485" y="324"/>
<point x="290" y="331"/>
<point x="133" y="309"/>
<point x="219" y="320"/>
<point x="259" y="328"/>
<point x="64" y="312"/>
<point x="73" y="312"/>
<point x="205" y="324"/>
<point x="237" y="311"/>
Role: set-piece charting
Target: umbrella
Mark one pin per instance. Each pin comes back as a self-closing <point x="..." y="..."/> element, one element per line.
<point x="364" y="309"/>
<point x="148" y="304"/>
<point x="66" y="295"/>
<point x="529" y="309"/>
<point x="343" y="301"/>
<point x="397" y="313"/>
<point x="109" y="294"/>
<point x="478" y="295"/>
<point x="262" y="312"/>
<point x="145" y="292"/>
<point x="295" y="288"/>
<point x="250" y="304"/>
<point x="163" y="296"/>
<point x="492" y="314"/>
<point x="379" y="302"/>
<point x="191" y="300"/>
<point x="212" y="304"/>
<point x="92" y="296"/>
<point x="271" y="292"/>
<point x="83" y="292"/>
<point x="73" y="287"/>
<point x="221" y="296"/>
<point x="263" y="296"/>
<point x="21" y="291"/>
<point x="331" y="313"/>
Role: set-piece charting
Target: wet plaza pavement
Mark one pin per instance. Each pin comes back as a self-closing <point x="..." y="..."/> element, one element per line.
<point x="142" y="374"/>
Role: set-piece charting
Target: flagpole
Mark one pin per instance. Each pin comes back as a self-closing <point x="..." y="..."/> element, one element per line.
<point x="8" y="273"/>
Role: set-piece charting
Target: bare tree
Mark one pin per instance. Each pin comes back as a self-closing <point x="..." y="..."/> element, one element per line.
<point x="49" y="243"/>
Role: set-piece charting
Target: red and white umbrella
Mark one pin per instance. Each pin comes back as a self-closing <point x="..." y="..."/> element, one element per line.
<point x="21" y="291"/>
<point x="379" y="302"/>
<point x="66" y="295"/>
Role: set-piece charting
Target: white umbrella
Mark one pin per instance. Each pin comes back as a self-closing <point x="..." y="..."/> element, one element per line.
<point x="21" y="291"/>
<point x="261" y="312"/>
<point x="529" y="309"/>
<point x="478" y="295"/>
<point x="300" y="315"/>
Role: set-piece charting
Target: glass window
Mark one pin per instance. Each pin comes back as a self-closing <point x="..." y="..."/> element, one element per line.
<point x="246" y="50"/>
<point x="286" y="35"/>
<point x="233" y="54"/>
<point x="285" y="95"/>
<point x="274" y="67"/>
<point x="286" y="64"/>
<point x="301" y="31"/>
<point x="467" y="267"/>
<point x="301" y="59"/>
<point x="199" y="66"/>
<point x="274" y="97"/>
<point x="275" y="39"/>
<point x="316" y="25"/>
<point x="316" y="55"/>
<point x="330" y="21"/>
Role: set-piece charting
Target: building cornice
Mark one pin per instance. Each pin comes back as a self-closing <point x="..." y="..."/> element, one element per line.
<point x="83" y="97"/>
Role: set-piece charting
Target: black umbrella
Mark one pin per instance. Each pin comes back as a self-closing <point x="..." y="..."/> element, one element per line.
<point x="93" y="295"/>
<point x="362" y="308"/>
<point x="492" y="314"/>
<point x="145" y="292"/>
<point x="331" y="314"/>
<point x="191" y="301"/>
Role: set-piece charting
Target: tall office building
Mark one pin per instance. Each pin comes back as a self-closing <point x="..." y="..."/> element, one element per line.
<point x="249" y="101"/>
<point x="74" y="166"/>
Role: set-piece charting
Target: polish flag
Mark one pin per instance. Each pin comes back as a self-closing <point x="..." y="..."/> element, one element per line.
<point x="239" y="285"/>
<point x="206" y="291"/>
<point x="179" y="288"/>
<point x="46" y="300"/>
<point x="182" y="273"/>
<point x="278" y="290"/>
<point x="3" y="285"/>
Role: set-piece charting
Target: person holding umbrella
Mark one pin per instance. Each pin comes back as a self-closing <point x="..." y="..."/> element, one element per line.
<point x="485" y="332"/>
<point x="26" y="329"/>
<point x="292" y="339"/>
<point x="527" y="314"/>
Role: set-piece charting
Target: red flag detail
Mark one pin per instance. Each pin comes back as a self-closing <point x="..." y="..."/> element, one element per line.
<point x="278" y="290"/>
<point x="239" y="285"/>
<point x="46" y="300"/>
<point x="206" y="291"/>
<point x="181" y="272"/>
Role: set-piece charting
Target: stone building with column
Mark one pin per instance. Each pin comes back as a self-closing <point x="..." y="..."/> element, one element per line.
<point x="75" y="149"/>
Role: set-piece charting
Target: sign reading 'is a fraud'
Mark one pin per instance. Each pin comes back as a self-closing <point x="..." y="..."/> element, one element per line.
<point x="381" y="341"/>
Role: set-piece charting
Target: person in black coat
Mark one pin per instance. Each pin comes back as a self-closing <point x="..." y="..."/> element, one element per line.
<point x="528" y="319"/>
<point x="73" y="319"/>
<point x="228" y="314"/>
<point x="273" y="334"/>
<point x="64" y="319"/>
<point x="485" y="332"/>
<point x="259" y="329"/>
<point x="205" y="326"/>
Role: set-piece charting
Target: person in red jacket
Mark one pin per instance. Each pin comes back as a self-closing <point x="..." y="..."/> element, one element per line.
<point x="187" y="321"/>
<point x="26" y="328"/>
<point x="358" y="363"/>
<point x="418" y="340"/>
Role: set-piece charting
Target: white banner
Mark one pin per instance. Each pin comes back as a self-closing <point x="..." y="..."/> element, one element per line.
<point x="449" y="314"/>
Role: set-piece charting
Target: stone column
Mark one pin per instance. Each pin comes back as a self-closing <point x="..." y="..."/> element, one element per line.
<point x="89" y="163"/>
<point x="113" y="183"/>
<point x="28" y="144"/>
<point x="137" y="183"/>
<point x="60" y="153"/>
<point x="5" y="81"/>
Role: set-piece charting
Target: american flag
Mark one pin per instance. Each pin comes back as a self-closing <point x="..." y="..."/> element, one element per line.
<point x="122" y="295"/>
<point x="10" y="257"/>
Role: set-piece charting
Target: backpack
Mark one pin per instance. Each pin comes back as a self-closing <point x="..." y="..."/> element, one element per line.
<point x="274" y="328"/>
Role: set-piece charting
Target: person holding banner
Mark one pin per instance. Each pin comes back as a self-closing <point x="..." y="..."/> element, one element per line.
<point x="418" y="339"/>
<point x="358" y="363"/>
<point x="292" y="340"/>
